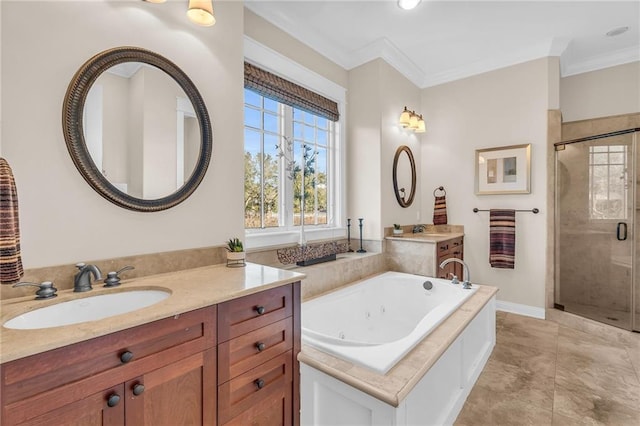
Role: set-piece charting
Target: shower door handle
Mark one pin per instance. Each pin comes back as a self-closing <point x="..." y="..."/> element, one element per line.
<point x="621" y="231"/>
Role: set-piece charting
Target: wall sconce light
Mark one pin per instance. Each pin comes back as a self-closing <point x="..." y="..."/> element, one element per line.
<point x="200" y="12"/>
<point x="412" y="120"/>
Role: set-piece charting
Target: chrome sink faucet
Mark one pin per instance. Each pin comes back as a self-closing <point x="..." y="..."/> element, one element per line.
<point x="82" y="280"/>
<point x="466" y="276"/>
<point x="417" y="229"/>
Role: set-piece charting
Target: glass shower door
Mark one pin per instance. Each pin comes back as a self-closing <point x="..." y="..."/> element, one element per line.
<point x="595" y="196"/>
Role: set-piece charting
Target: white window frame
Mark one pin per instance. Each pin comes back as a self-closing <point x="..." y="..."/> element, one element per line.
<point x="278" y="64"/>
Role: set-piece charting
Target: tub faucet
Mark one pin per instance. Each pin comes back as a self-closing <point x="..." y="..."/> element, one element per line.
<point x="82" y="280"/>
<point x="466" y="276"/>
<point x="418" y="228"/>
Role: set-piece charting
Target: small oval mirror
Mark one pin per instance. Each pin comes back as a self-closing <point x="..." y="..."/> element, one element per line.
<point x="404" y="176"/>
<point x="137" y="129"/>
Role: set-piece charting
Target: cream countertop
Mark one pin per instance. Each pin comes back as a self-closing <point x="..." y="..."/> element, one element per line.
<point x="190" y="289"/>
<point x="394" y="386"/>
<point x="423" y="237"/>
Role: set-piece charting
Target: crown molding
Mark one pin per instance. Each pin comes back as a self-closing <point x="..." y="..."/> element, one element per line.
<point x="385" y="49"/>
<point x="544" y="49"/>
<point x="594" y="63"/>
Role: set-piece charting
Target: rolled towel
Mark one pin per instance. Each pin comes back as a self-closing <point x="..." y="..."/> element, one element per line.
<point x="11" y="269"/>
<point x="502" y="238"/>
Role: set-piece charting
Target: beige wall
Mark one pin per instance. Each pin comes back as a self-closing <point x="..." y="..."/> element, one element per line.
<point x="498" y="108"/>
<point x="602" y="93"/>
<point x="62" y="219"/>
<point x="377" y="95"/>
<point x="273" y="37"/>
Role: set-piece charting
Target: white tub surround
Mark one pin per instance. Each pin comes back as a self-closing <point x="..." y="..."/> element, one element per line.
<point x="376" y="322"/>
<point x="427" y="386"/>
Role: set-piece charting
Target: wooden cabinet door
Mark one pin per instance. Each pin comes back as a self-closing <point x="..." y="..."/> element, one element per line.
<point x="182" y="393"/>
<point x="93" y="410"/>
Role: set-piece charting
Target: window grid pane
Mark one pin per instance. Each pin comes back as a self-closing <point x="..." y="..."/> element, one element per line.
<point x="270" y="191"/>
<point x="608" y="186"/>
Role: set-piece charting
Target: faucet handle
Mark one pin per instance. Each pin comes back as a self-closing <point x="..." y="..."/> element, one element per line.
<point x="46" y="290"/>
<point x="454" y="278"/>
<point x="113" y="280"/>
<point x="80" y="265"/>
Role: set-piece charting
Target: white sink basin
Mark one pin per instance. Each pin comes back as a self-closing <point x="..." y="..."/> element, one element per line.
<point x="90" y="308"/>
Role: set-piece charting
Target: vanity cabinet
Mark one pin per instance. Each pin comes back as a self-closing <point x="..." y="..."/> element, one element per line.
<point x="163" y="372"/>
<point x="446" y="250"/>
<point x="233" y="363"/>
<point x="258" y="371"/>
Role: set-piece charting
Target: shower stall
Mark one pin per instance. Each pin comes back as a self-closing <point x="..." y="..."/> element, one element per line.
<point x="596" y="243"/>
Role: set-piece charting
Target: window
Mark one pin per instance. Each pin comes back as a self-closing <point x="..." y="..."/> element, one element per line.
<point x="283" y="144"/>
<point x="608" y="183"/>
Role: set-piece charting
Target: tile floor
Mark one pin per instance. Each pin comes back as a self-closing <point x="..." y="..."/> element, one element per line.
<point x="542" y="373"/>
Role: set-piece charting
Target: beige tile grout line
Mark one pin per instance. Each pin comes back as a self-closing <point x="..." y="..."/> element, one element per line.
<point x="633" y="366"/>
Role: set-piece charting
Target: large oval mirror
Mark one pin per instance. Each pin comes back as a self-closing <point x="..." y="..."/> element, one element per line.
<point x="404" y="176"/>
<point x="137" y="129"/>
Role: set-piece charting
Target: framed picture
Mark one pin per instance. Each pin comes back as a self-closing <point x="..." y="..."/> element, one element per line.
<point x="503" y="170"/>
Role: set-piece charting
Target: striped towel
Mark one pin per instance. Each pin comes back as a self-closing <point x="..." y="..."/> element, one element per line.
<point x="440" y="211"/>
<point x="10" y="261"/>
<point x="502" y="238"/>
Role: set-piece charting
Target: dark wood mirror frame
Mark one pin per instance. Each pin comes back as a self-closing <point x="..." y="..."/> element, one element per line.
<point x="398" y="191"/>
<point x="72" y="113"/>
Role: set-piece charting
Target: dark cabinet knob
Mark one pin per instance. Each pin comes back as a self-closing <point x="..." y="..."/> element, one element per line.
<point x="126" y="357"/>
<point x="259" y="383"/>
<point x="113" y="400"/>
<point x="260" y="346"/>
<point x="138" y="389"/>
<point x="259" y="309"/>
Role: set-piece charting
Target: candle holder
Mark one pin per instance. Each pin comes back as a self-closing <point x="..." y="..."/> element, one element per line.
<point x="349" y="249"/>
<point x="361" y="250"/>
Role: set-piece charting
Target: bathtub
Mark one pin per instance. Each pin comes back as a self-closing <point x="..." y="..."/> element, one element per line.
<point x="376" y="322"/>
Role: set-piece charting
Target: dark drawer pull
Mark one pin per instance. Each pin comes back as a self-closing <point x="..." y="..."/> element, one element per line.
<point x="259" y="309"/>
<point x="260" y="346"/>
<point x="456" y="252"/>
<point x="138" y="389"/>
<point x="126" y="357"/>
<point x="113" y="400"/>
<point x="444" y="247"/>
<point x="259" y="383"/>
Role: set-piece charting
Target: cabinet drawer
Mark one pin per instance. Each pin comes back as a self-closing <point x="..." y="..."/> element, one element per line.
<point x="244" y="394"/>
<point x="240" y="316"/>
<point x="245" y="352"/>
<point x="152" y="345"/>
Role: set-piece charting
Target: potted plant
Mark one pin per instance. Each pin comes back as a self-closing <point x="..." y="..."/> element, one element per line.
<point x="397" y="229"/>
<point x="235" y="253"/>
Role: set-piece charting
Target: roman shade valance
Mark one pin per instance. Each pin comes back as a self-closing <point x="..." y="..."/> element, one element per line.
<point x="286" y="92"/>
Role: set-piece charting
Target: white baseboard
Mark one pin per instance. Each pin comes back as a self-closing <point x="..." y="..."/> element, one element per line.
<point x="517" y="308"/>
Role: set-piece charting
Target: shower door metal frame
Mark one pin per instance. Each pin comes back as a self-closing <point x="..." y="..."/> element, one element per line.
<point x="635" y="283"/>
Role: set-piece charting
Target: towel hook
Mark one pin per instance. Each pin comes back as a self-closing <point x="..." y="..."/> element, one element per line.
<point x="440" y="188"/>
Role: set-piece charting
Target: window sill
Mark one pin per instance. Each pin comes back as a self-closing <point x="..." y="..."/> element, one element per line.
<point x="273" y="239"/>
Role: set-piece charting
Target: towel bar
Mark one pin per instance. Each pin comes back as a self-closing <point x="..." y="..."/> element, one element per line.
<point x="534" y="210"/>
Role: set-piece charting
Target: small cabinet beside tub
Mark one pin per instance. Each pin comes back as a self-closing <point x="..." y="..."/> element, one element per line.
<point x="446" y="250"/>
<point x="422" y="254"/>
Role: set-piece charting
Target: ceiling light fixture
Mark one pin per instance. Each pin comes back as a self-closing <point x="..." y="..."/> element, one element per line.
<point x="408" y="4"/>
<point x="155" y="1"/>
<point x="617" y="31"/>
